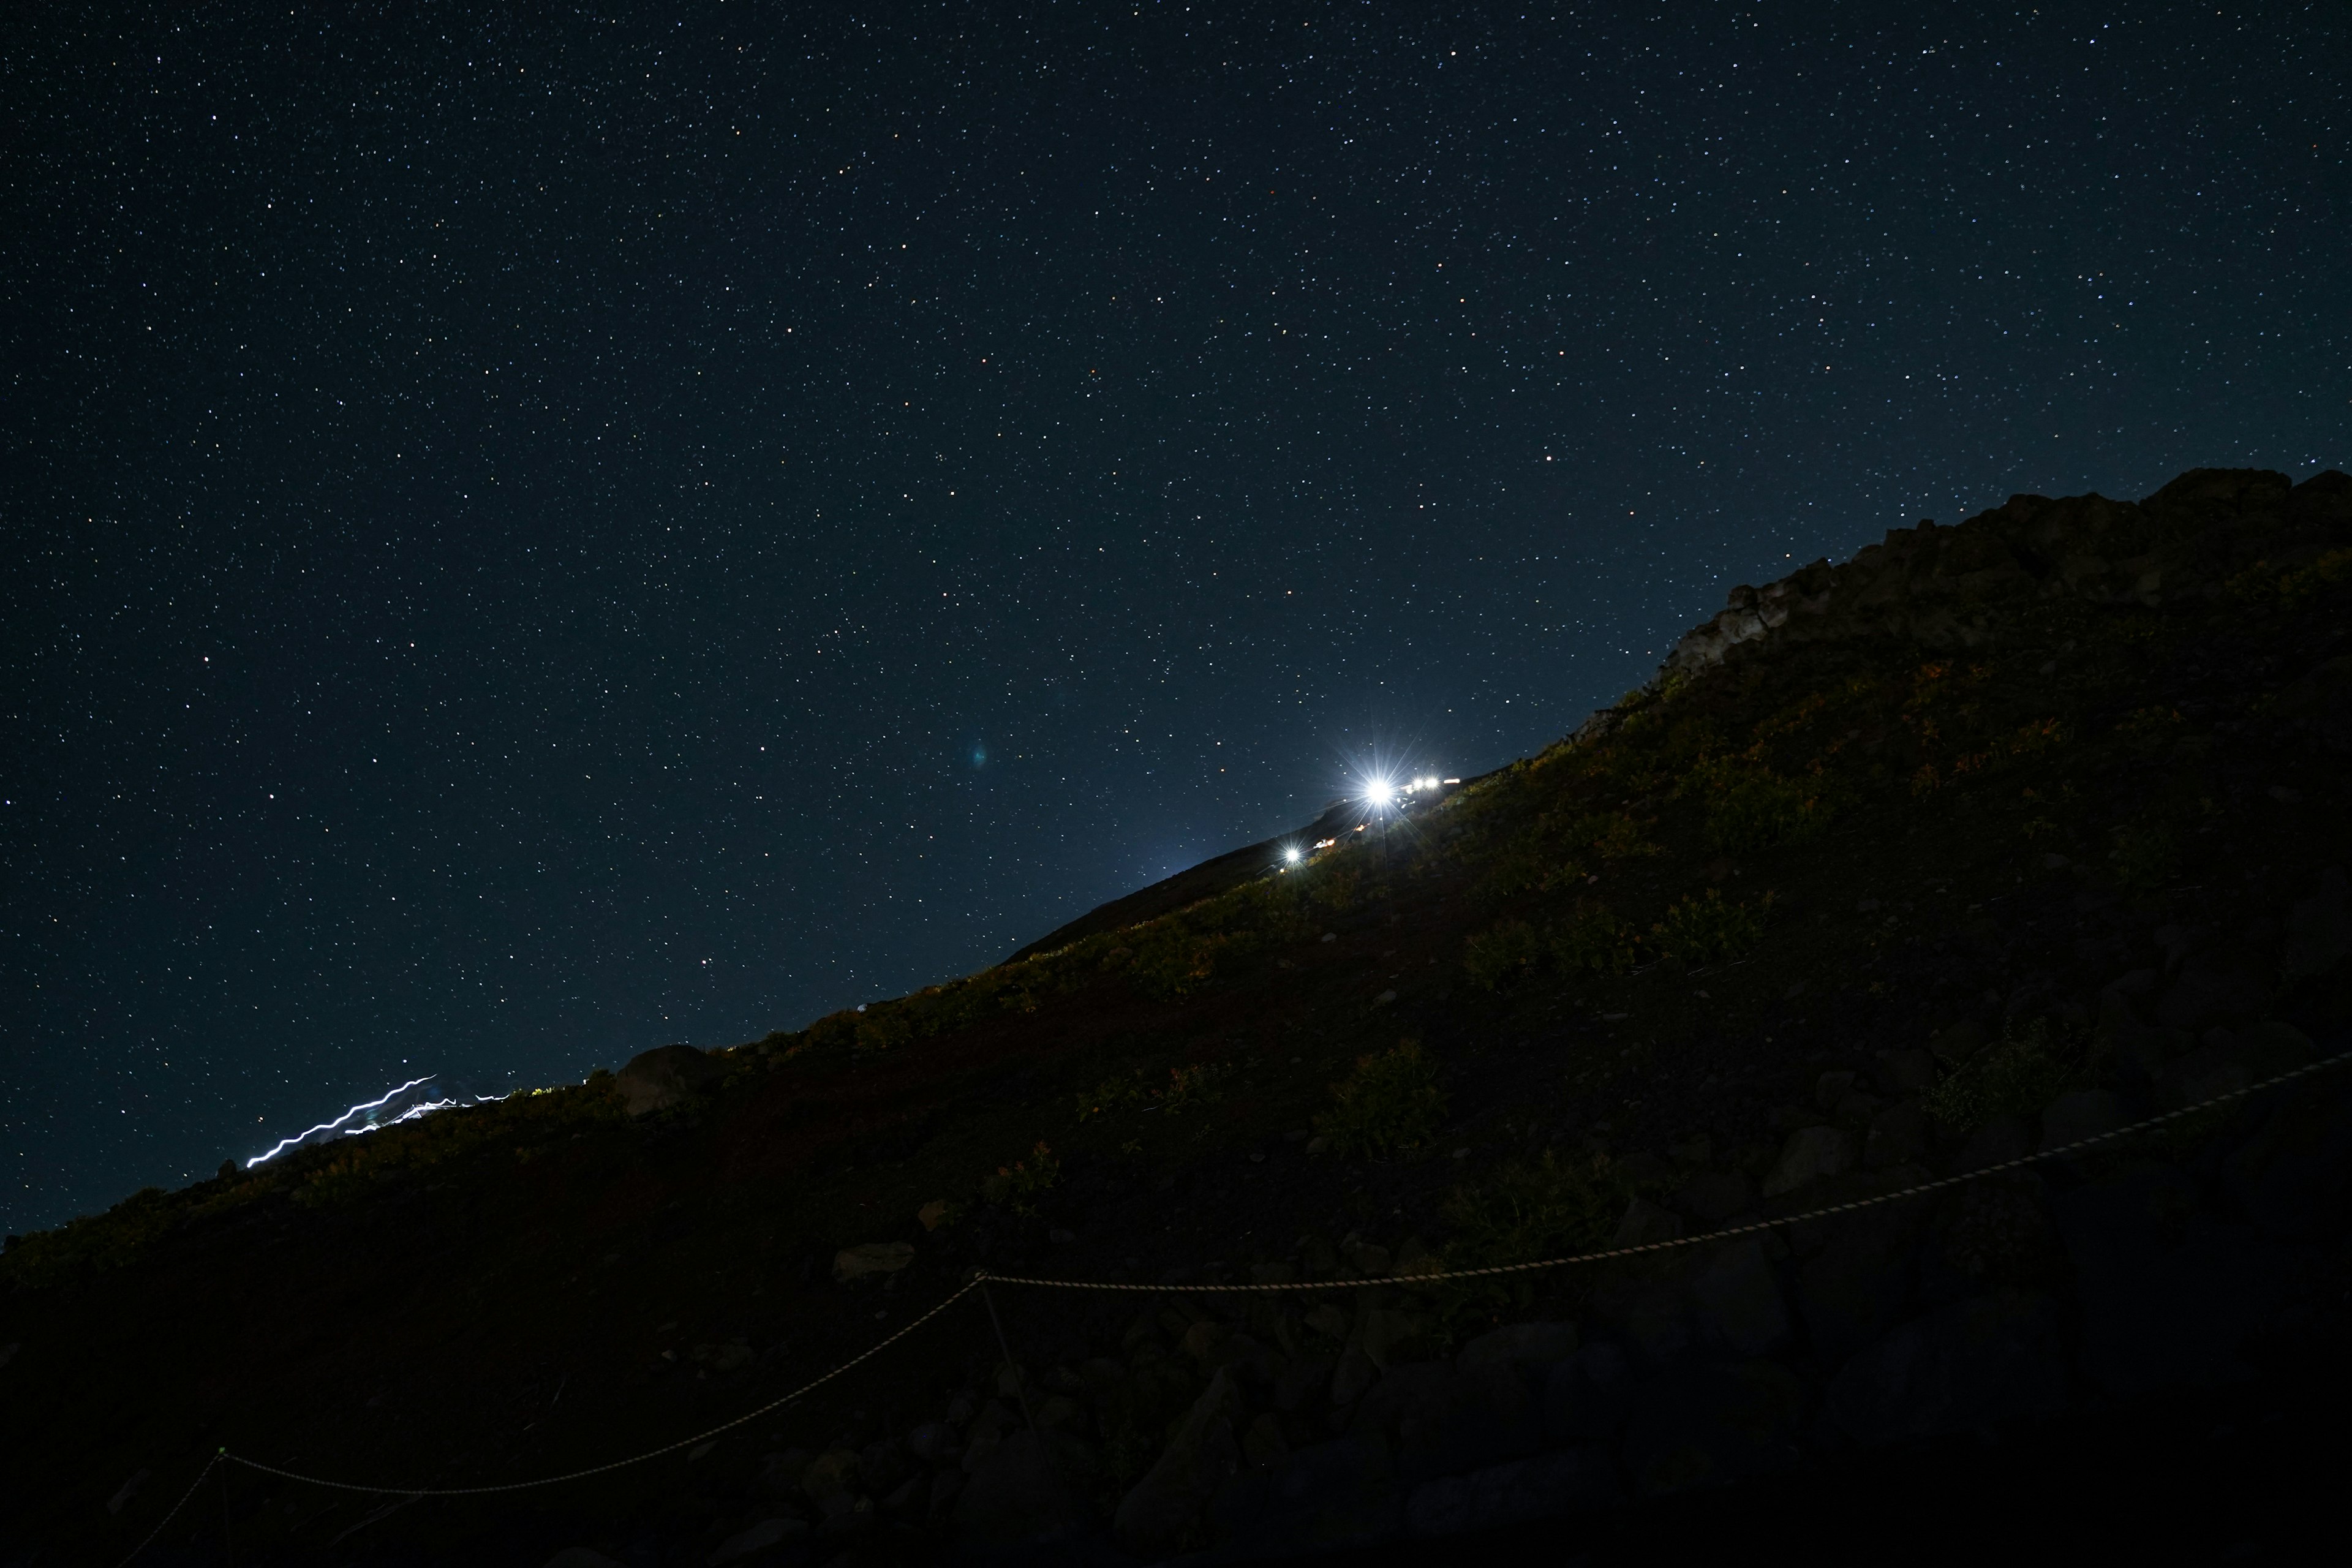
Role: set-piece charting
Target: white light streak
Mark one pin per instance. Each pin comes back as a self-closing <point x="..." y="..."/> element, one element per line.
<point x="337" y="1126"/>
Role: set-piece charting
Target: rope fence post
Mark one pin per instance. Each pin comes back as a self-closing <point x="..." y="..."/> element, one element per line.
<point x="1020" y="1383"/>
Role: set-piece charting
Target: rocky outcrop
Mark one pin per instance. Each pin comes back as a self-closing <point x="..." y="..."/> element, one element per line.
<point x="1943" y="587"/>
<point x="664" y="1077"/>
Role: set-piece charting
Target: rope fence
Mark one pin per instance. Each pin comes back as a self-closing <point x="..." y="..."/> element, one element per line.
<point x="980" y="1278"/>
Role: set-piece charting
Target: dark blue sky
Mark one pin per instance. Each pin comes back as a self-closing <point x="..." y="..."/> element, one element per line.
<point x="530" y="535"/>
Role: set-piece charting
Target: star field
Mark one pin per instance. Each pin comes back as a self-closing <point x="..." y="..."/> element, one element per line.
<point x="534" y="537"/>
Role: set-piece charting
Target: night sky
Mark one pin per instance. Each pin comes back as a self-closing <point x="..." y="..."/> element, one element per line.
<point x="532" y="534"/>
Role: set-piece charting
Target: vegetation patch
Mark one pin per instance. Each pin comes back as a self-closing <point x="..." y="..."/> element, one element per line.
<point x="1018" y="1186"/>
<point x="2016" y="1074"/>
<point x="1390" y="1102"/>
<point x="1708" y="929"/>
<point x="1528" y="1209"/>
<point x="1500" y="952"/>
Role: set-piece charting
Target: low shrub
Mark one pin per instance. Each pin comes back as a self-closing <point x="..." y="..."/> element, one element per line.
<point x="1749" y="807"/>
<point x="1499" y="953"/>
<point x="1019" y="1185"/>
<point x="1594" y="940"/>
<point x="2016" y="1074"/>
<point x="2145" y="854"/>
<point x="1390" y="1102"/>
<point x="1531" y="1209"/>
<point x="1706" y="928"/>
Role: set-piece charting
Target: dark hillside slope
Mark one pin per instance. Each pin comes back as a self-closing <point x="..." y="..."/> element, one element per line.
<point x="1994" y="836"/>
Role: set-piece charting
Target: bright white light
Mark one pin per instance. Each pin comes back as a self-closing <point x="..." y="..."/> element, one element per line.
<point x="1290" y="854"/>
<point x="286" y="1143"/>
<point x="1380" y="792"/>
<point x="411" y="1114"/>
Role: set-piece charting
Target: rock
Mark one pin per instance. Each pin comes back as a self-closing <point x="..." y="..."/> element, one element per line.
<point x="2318" y="930"/>
<point x="1299" y="1379"/>
<point x="2206" y="1073"/>
<point x="1644" y="1223"/>
<point x="1030" y="1488"/>
<point x="1973" y="1364"/>
<point x="2084" y="1113"/>
<point x="1647" y="1172"/>
<point x="1519" y="1345"/>
<point x="881" y="1467"/>
<point x="1716" y="1196"/>
<point x="1388" y="1335"/>
<point x="1830" y="1088"/>
<point x="1264" y="1442"/>
<point x="829" y="1478"/>
<point x="1998" y="1140"/>
<point x="2268" y="1049"/>
<point x="759" y="1538"/>
<point x="2167" y="1289"/>
<point x="581" y="1557"/>
<point x="1809" y="1152"/>
<point x="779" y="1474"/>
<point x="1910" y="1069"/>
<point x="872" y="1258"/>
<point x="2222" y="983"/>
<point x="990" y="1428"/>
<point x="1478" y="1418"/>
<point x="1332" y="1495"/>
<point x="1587" y="1396"/>
<point x="1858" y="1284"/>
<point x="1161" y="1513"/>
<point x="662" y="1077"/>
<point x="2293" y="1177"/>
<point x="1518" y="1492"/>
<point x="1739" y="1302"/>
<point x="945" y="1485"/>
<point x="1354" y="1373"/>
<point x="931" y="1440"/>
<point x="1648" y="1306"/>
<point x="1897" y="1136"/>
<point x="1705" y="1424"/>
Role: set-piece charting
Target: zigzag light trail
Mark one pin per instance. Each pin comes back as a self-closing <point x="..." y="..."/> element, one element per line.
<point x="411" y="1114"/>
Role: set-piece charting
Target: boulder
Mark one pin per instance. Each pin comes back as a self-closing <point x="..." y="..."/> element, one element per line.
<point x="1998" y="1140"/>
<point x="2217" y="986"/>
<point x="2167" y="1289"/>
<point x="1518" y="1492"/>
<point x="1707" y="1424"/>
<point x="1738" y="1303"/>
<point x="1163" y="1513"/>
<point x="1587" y="1396"/>
<point x="2293" y="1177"/>
<point x="759" y="1538"/>
<point x="2318" y="930"/>
<point x="1482" y="1417"/>
<point x="872" y="1258"/>
<point x="2084" y="1113"/>
<point x="1030" y="1487"/>
<point x="1331" y="1495"/>
<point x="1716" y="1196"/>
<point x="1909" y="1069"/>
<point x="662" y="1077"/>
<point x="1811" y="1152"/>
<point x="2206" y="1073"/>
<point x="1519" y="1345"/>
<point x="1644" y="1222"/>
<point x="1970" y="1365"/>
<point x="1857" y="1286"/>
<point x="1897" y="1136"/>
